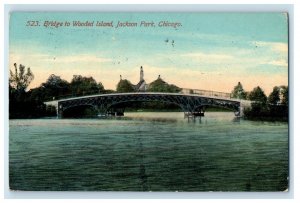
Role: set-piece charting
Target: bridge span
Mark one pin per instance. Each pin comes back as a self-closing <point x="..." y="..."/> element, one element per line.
<point x="189" y="103"/>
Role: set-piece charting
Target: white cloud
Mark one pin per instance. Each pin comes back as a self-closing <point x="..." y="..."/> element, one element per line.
<point x="78" y="58"/>
<point x="208" y="57"/>
<point x="273" y="46"/>
<point x="280" y="62"/>
<point x="42" y="58"/>
<point x="219" y="70"/>
<point x="280" y="47"/>
<point x="274" y="53"/>
<point x="242" y="59"/>
<point x="44" y="65"/>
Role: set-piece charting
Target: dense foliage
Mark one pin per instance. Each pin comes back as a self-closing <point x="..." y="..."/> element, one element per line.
<point x="258" y="95"/>
<point x="21" y="104"/>
<point x="20" y="79"/>
<point x="238" y="92"/>
<point x="54" y="88"/>
<point x="125" y="86"/>
<point x="285" y="95"/>
<point x="273" y="107"/>
<point x="30" y="104"/>
<point x="274" y="97"/>
<point x="160" y="85"/>
<point x="85" y="85"/>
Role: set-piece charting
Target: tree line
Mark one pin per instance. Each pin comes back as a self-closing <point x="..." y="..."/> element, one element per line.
<point x="29" y="104"/>
<point x="272" y="107"/>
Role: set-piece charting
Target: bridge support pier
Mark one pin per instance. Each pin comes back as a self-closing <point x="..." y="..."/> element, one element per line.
<point x="102" y="110"/>
<point x="116" y="111"/>
<point x="241" y="109"/>
<point x="191" y="116"/>
<point x="198" y="112"/>
<point x="59" y="111"/>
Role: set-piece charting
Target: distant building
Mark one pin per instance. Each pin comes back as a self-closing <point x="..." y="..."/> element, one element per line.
<point x="141" y="86"/>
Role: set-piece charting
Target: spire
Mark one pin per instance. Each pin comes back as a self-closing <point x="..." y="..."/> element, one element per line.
<point x="120" y="77"/>
<point x="141" y="74"/>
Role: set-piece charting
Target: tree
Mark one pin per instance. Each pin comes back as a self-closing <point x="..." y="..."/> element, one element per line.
<point x="22" y="103"/>
<point x="260" y="109"/>
<point x="21" y="79"/>
<point x="285" y="95"/>
<point x="238" y="92"/>
<point x="125" y="86"/>
<point x="55" y="87"/>
<point x="85" y="85"/>
<point x="257" y="94"/>
<point x="274" y="97"/>
<point x="173" y="88"/>
<point x="160" y="85"/>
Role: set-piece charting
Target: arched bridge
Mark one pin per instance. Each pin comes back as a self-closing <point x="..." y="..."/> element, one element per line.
<point x="189" y="103"/>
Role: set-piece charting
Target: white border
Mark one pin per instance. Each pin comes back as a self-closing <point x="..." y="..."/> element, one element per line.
<point x="144" y="8"/>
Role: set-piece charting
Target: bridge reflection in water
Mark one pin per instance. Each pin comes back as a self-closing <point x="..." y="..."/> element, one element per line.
<point x="191" y="102"/>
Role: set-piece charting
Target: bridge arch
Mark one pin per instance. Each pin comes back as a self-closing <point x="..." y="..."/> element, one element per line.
<point x="187" y="102"/>
<point x="235" y="110"/>
<point x="228" y="107"/>
<point x="80" y="110"/>
<point x="144" y="101"/>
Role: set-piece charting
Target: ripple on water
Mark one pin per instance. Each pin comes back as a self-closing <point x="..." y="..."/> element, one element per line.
<point x="148" y="151"/>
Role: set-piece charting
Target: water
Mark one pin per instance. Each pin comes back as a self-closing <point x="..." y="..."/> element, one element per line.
<point x="149" y="152"/>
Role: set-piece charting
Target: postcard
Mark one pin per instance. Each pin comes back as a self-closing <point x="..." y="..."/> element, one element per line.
<point x="148" y="101"/>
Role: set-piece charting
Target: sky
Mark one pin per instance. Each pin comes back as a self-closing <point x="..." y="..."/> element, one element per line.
<point x="209" y="51"/>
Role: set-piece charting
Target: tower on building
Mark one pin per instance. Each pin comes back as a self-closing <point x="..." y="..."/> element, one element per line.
<point x="141" y="86"/>
<point x="141" y="74"/>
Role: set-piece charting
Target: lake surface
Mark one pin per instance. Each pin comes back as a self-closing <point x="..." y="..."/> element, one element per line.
<point x="149" y="152"/>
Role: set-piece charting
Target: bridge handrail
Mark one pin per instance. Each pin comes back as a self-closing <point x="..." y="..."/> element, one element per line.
<point x="206" y="93"/>
<point x="74" y="95"/>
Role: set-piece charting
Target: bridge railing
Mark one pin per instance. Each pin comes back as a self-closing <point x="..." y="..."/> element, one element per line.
<point x="73" y="95"/>
<point x="206" y="93"/>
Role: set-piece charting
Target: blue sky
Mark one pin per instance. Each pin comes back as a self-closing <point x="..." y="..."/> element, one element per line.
<point x="211" y="51"/>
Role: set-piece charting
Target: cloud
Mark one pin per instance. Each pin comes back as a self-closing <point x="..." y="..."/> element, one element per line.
<point x="206" y="56"/>
<point x="280" y="62"/>
<point x="208" y="59"/>
<point x="79" y="58"/>
<point x="44" y="65"/>
<point x="280" y="47"/>
<point x="215" y="69"/>
<point x="273" y="46"/>
<point x="75" y="58"/>
<point x="273" y="53"/>
<point x="242" y="59"/>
